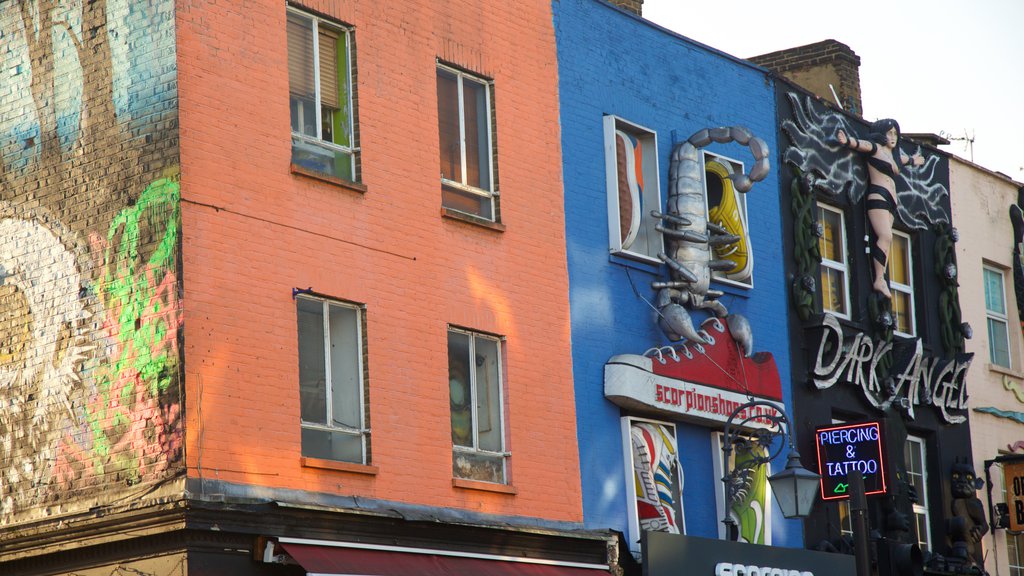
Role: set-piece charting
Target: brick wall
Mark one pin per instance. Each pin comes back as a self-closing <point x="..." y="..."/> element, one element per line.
<point x="89" y="301"/>
<point x="253" y="231"/>
<point x="816" y="67"/>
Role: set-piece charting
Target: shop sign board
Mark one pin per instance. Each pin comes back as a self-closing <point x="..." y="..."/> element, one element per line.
<point x="1013" y="480"/>
<point x="667" y="554"/>
<point x="846" y="449"/>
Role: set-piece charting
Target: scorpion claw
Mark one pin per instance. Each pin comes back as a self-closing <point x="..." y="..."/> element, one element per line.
<point x="675" y="321"/>
<point x="739" y="326"/>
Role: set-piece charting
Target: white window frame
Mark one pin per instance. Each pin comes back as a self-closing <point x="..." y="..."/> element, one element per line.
<point x="491" y="192"/>
<point x="921" y="507"/>
<point x="363" y="431"/>
<point x="650" y="198"/>
<point x="318" y="141"/>
<point x="741" y="198"/>
<point x="905" y="288"/>
<point x="633" y="537"/>
<point x="992" y="315"/>
<point x="842" y="267"/>
<point x="504" y="454"/>
<point x="718" y="470"/>
<point x="1015" y="553"/>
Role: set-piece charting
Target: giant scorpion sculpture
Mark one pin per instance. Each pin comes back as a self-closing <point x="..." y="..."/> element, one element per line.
<point x="691" y="238"/>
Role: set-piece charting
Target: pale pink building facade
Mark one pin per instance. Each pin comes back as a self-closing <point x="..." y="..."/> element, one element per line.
<point x="981" y="202"/>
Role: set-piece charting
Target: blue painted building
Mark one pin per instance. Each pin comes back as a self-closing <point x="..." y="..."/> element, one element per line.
<point x="629" y="92"/>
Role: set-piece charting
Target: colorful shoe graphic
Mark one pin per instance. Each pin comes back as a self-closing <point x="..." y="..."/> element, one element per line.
<point x="629" y="165"/>
<point x="749" y="508"/>
<point x="655" y="475"/>
<point x="724" y="210"/>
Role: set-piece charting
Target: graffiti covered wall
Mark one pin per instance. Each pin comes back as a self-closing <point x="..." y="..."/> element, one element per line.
<point x="90" y="306"/>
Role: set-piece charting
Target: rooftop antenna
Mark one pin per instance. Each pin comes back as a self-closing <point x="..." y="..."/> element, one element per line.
<point x="968" y="140"/>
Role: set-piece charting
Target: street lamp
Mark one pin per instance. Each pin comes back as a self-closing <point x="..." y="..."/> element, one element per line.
<point x="795" y="488"/>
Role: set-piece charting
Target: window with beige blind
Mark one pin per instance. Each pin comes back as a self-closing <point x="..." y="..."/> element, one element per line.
<point x="835" y="268"/>
<point x="320" y="96"/>
<point x="901" y="283"/>
<point x="466" y="143"/>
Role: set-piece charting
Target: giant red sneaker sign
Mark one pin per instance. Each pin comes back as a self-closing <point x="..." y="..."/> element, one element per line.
<point x="699" y="383"/>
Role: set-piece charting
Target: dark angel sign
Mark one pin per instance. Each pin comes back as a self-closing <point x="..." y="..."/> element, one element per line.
<point x="914" y="378"/>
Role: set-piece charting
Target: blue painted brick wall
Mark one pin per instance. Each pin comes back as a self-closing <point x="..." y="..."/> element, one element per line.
<point x="611" y="62"/>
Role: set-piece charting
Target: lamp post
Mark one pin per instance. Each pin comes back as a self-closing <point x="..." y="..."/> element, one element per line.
<point x="795" y="488"/>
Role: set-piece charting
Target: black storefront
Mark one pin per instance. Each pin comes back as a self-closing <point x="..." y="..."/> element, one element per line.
<point x="858" y="356"/>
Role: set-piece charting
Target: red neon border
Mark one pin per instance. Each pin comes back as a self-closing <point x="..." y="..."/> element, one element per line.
<point x="881" y="457"/>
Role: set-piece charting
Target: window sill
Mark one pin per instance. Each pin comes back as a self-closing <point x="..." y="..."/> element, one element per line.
<point x="483" y="486"/>
<point x="470" y="219"/>
<point x="337" y="465"/>
<point x="1004" y="371"/>
<point x="732" y="287"/>
<point x="347" y="184"/>
<point x="635" y="261"/>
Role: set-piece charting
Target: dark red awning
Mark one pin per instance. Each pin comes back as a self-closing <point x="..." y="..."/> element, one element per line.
<point x="357" y="561"/>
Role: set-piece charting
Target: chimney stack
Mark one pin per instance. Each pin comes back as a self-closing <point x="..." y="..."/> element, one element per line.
<point x="634" y="6"/>
<point x="816" y="67"/>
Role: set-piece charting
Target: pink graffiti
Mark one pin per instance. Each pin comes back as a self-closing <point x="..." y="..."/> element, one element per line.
<point x="135" y="430"/>
<point x="1019" y="444"/>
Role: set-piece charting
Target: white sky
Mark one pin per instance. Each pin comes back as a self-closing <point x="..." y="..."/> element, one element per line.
<point x="949" y="66"/>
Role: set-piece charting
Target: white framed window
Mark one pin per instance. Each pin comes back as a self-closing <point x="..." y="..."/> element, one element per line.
<point x="727" y="209"/>
<point x="901" y="284"/>
<point x="1015" y="553"/>
<point x="996" y="318"/>
<point x="654" y="478"/>
<point x="751" y="508"/>
<point x="835" y="262"/>
<point x="321" y="98"/>
<point x="917" y="476"/>
<point x="332" y="380"/>
<point x="465" y="129"/>
<point x="633" y="190"/>
<point x="477" y="402"/>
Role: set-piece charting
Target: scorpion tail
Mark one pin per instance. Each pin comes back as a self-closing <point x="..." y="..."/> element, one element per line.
<point x="676" y="323"/>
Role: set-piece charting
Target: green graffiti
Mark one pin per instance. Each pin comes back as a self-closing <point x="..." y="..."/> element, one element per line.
<point x="139" y="294"/>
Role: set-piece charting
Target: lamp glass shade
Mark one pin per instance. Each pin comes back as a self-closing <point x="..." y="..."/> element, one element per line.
<point x="795" y="488"/>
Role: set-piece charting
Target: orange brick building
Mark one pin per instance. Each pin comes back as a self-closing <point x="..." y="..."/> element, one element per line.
<point x="363" y="352"/>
